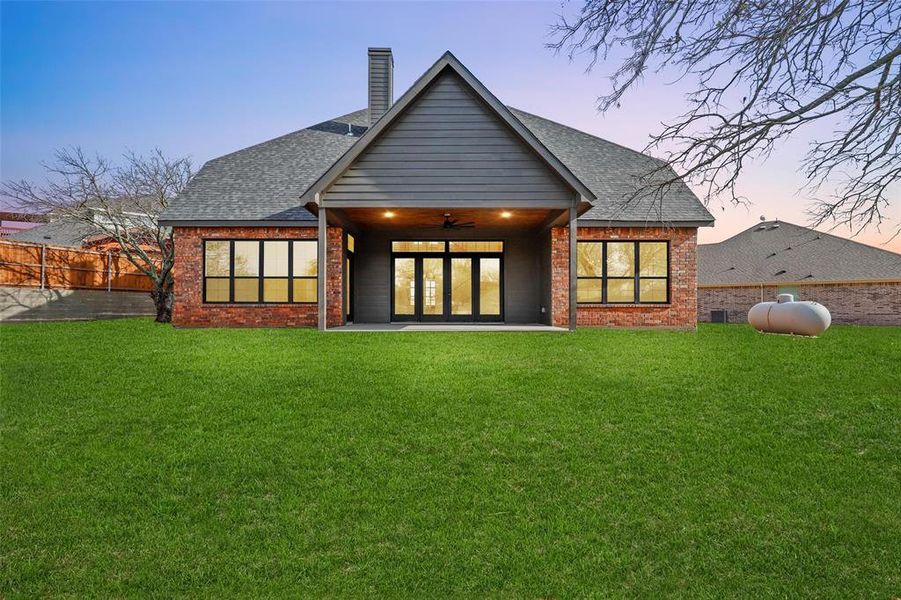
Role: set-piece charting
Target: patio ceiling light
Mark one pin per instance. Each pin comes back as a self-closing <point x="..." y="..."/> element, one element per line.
<point x="506" y="214"/>
<point x="388" y="214"/>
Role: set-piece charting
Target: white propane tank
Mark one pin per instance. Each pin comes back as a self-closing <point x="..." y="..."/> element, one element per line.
<point x="787" y="316"/>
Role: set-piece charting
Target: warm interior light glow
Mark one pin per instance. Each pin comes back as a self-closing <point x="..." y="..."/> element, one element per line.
<point x="506" y="214"/>
<point x="389" y="214"/>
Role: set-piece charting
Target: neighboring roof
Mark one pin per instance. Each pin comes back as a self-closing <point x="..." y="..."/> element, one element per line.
<point x="776" y="252"/>
<point x="55" y="233"/>
<point x="265" y="182"/>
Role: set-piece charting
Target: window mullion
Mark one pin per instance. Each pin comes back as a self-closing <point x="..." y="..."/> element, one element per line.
<point x="290" y="271"/>
<point x="231" y="270"/>
<point x="603" y="272"/>
<point x="260" y="272"/>
<point x="636" y="283"/>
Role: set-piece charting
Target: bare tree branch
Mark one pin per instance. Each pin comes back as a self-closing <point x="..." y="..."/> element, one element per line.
<point x="118" y="203"/>
<point x="761" y="71"/>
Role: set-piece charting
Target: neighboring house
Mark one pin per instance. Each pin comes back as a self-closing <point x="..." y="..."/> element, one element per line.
<point x="857" y="283"/>
<point x="60" y="232"/>
<point x="74" y="233"/>
<point x="12" y="223"/>
<point x="444" y="206"/>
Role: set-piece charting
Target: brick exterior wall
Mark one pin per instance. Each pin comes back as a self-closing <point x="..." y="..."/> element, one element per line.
<point x="334" y="285"/>
<point x="680" y="313"/>
<point x="560" y="276"/>
<point x="190" y="310"/>
<point x="849" y="303"/>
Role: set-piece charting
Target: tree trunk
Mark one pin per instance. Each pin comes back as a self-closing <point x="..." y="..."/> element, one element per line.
<point x="163" y="299"/>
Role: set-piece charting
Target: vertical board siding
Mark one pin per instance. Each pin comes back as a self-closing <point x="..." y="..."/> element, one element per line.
<point x="448" y="146"/>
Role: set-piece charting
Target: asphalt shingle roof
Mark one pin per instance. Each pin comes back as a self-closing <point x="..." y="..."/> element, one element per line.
<point x="612" y="172"/>
<point x="265" y="181"/>
<point x="55" y="233"/>
<point x="776" y="252"/>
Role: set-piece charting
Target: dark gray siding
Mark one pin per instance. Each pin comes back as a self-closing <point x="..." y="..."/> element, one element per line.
<point x="448" y="146"/>
<point x="544" y="276"/>
<point x="372" y="280"/>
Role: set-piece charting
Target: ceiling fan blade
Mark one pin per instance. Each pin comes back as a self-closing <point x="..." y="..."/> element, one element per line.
<point x="466" y="224"/>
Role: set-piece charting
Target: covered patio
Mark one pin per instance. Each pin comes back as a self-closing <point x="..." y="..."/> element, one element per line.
<point x="449" y="268"/>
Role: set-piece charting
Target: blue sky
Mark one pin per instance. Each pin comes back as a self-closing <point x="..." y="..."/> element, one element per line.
<point x="205" y="79"/>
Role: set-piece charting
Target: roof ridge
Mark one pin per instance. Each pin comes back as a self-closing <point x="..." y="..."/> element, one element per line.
<point x="806" y="229"/>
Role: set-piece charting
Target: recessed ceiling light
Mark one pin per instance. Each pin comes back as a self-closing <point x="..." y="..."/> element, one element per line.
<point x="506" y="214"/>
<point x="389" y="214"/>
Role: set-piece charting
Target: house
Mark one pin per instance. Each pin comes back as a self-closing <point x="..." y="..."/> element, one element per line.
<point x="857" y="283"/>
<point x="71" y="232"/>
<point x="443" y="206"/>
<point x="12" y="223"/>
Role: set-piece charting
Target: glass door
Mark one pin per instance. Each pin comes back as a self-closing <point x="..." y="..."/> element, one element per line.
<point x="461" y="289"/>
<point x="432" y="284"/>
<point x="490" y="308"/>
<point x="403" y="305"/>
<point x="435" y="284"/>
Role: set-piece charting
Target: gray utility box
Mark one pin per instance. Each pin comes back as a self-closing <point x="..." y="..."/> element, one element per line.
<point x="719" y="316"/>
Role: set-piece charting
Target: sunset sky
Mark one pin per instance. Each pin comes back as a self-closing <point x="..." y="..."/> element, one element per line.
<point x="205" y="79"/>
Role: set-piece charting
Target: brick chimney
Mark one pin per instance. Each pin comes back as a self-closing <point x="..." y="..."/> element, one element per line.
<point x="381" y="82"/>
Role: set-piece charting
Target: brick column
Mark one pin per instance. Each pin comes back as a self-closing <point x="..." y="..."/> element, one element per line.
<point x="560" y="276"/>
<point x="334" y="285"/>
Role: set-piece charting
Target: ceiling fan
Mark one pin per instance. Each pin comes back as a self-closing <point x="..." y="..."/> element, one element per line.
<point x="450" y="223"/>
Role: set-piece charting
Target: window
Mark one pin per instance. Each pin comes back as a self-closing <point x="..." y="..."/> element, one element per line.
<point x="253" y="271"/>
<point x="417" y="246"/>
<point x="476" y="246"/>
<point x="350" y="243"/>
<point x="617" y="272"/>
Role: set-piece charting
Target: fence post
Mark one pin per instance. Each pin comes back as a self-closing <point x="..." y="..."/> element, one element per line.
<point x="109" y="270"/>
<point x="43" y="265"/>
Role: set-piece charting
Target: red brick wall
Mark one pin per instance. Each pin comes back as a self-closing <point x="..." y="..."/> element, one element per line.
<point x="190" y="311"/>
<point x="560" y="276"/>
<point x="681" y="312"/>
<point x="334" y="285"/>
<point x="849" y="303"/>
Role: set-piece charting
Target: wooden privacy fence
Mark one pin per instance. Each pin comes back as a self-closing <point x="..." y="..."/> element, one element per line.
<point x="37" y="265"/>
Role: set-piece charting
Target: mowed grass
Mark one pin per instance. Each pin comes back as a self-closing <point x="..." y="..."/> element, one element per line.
<point x="138" y="459"/>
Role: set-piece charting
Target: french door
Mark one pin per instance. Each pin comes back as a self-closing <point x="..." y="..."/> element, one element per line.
<point x="447" y="288"/>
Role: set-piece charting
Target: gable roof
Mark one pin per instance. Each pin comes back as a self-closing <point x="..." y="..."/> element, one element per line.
<point x="447" y="62"/>
<point x="775" y="252"/>
<point x="265" y="182"/>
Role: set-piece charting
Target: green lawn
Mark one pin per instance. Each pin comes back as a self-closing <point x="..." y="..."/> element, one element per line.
<point x="140" y="459"/>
